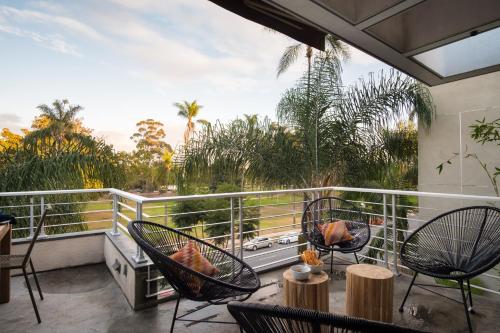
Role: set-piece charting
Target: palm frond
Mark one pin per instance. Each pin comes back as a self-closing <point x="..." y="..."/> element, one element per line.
<point x="290" y="55"/>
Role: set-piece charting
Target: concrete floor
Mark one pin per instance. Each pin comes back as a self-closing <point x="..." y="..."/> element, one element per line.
<point x="86" y="299"/>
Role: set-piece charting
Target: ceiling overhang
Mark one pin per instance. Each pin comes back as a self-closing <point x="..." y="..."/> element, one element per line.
<point x="276" y="19"/>
<point x="435" y="41"/>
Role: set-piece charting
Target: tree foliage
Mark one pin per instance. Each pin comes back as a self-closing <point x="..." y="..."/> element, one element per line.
<point x="189" y="111"/>
<point x="58" y="156"/>
<point x="148" y="166"/>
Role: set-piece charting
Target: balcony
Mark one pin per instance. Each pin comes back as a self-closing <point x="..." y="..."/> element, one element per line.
<point x="114" y="287"/>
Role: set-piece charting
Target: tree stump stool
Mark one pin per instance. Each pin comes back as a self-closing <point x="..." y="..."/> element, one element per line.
<point x="309" y="294"/>
<point x="369" y="292"/>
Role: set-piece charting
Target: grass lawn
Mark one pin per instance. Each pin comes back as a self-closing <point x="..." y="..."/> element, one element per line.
<point x="274" y="205"/>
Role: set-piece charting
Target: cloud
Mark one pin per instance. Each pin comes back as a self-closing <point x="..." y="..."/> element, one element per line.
<point x="67" y="23"/>
<point x="11" y="121"/>
<point x="54" y="42"/>
<point x="168" y="41"/>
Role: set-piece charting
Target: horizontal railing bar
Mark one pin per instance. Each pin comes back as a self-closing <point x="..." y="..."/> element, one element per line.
<point x="142" y="199"/>
<point x="121" y="226"/>
<point x="55" y="192"/>
<point x="274" y="251"/>
<point x="332" y="188"/>
<point x="72" y="223"/>
<point x="276" y="261"/>
<point x="124" y="216"/>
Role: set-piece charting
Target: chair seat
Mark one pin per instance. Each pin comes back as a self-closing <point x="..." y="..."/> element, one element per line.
<point x="439" y="267"/>
<point x="11" y="261"/>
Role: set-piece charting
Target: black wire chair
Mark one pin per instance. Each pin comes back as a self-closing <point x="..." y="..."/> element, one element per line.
<point x="457" y="245"/>
<point x="258" y="318"/>
<point x="331" y="209"/>
<point x="21" y="261"/>
<point x="235" y="279"/>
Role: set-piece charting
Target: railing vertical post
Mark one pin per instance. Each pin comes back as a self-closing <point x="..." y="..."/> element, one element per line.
<point x="240" y="217"/>
<point x="294" y="210"/>
<point x="42" y="210"/>
<point x="386" y="255"/>
<point x="394" y="236"/>
<point x="32" y="217"/>
<point x="233" y="246"/>
<point x="231" y="207"/>
<point x="114" y="230"/>
<point x="166" y="213"/>
<point x="139" y="254"/>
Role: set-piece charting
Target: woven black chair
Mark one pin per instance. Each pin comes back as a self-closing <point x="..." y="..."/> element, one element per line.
<point x="21" y="261"/>
<point x="258" y="318"/>
<point x="235" y="280"/>
<point x="331" y="209"/>
<point x="457" y="245"/>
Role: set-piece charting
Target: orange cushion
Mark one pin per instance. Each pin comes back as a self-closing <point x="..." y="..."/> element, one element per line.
<point x="335" y="232"/>
<point x="191" y="257"/>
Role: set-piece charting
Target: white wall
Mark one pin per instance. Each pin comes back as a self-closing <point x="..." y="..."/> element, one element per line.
<point x="458" y="105"/>
<point x="62" y="252"/>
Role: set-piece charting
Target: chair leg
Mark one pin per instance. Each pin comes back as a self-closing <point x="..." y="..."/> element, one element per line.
<point x="464" y="298"/>
<point x="408" y="292"/>
<point x="175" y="314"/>
<point x="36" y="279"/>
<point x="356" y="256"/>
<point x="471" y="309"/>
<point x="31" y="295"/>
<point x="331" y="263"/>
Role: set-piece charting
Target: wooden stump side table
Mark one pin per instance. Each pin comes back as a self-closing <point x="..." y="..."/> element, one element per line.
<point x="309" y="294"/>
<point x="369" y="292"/>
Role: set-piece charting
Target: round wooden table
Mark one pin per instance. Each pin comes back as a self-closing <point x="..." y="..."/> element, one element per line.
<point x="369" y="292"/>
<point x="308" y="294"/>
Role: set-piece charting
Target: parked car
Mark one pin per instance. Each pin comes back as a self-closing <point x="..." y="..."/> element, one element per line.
<point x="291" y="237"/>
<point x="258" y="243"/>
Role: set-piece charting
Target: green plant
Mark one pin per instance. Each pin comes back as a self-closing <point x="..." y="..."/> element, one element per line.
<point x="482" y="132"/>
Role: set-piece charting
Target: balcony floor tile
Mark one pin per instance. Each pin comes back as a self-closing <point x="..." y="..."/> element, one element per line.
<point x="86" y="299"/>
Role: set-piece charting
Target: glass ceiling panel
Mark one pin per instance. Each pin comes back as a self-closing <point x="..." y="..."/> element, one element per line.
<point x="432" y="21"/>
<point x="480" y="51"/>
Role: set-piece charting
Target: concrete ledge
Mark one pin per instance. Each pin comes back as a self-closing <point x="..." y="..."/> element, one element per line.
<point x="63" y="251"/>
<point x="130" y="276"/>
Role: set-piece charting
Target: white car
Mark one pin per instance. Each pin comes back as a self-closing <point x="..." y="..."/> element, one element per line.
<point x="258" y="243"/>
<point x="291" y="237"/>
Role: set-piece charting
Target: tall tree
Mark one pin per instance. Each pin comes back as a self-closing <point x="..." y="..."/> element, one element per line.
<point x="335" y="52"/>
<point x="58" y="122"/>
<point x="147" y="167"/>
<point x="347" y="119"/>
<point x="149" y="140"/>
<point x="189" y="111"/>
<point x="58" y="157"/>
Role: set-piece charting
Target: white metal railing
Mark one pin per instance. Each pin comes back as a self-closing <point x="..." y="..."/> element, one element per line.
<point x="279" y="211"/>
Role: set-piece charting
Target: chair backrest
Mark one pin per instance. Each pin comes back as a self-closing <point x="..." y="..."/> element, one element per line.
<point x="35" y="237"/>
<point x="331" y="209"/>
<point x="256" y="318"/>
<point x="159" y="242"/>
<point x="466" y="240"/>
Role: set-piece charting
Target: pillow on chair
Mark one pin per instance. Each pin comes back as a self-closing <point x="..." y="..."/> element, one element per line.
<point x="191" y="257"/>
<point x="335" y="232"/>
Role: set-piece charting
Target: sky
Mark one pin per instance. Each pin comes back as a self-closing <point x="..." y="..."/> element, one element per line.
<point x="127" y="60"/>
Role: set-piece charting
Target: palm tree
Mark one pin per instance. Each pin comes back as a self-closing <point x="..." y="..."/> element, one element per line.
<point x="189" y="110"/>
<point x="61" y="117"/>
<point x="335" y="52"/>
<point x="58" y="156"/>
